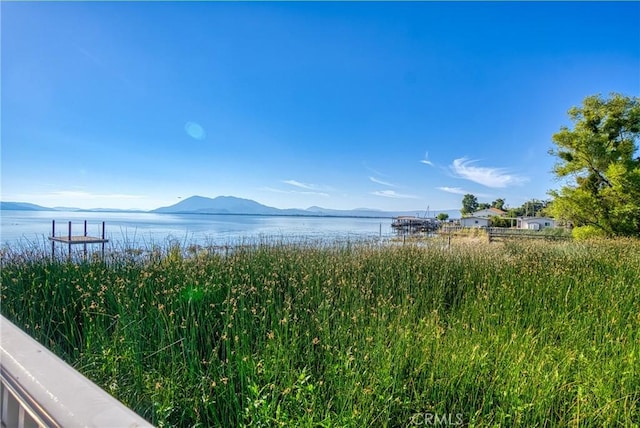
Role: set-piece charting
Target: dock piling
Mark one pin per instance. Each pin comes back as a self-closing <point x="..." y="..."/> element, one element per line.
<point x="103" y="240"/>
<point x="53" y="243"/>
<point x="85" y="244"/>
<point x="69" y="256"/>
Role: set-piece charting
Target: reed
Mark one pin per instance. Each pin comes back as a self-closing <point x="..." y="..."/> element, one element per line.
<point x="507" y="334"/>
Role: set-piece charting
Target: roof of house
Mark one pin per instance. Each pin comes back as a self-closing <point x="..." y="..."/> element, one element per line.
<point x="536" y="218"/>
<point x="495" y="211"/>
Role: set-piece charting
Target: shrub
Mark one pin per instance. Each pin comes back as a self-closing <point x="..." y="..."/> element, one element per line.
<point x="588" y="232"/>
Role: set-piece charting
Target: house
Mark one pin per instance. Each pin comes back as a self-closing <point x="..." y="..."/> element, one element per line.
<point x="535" y="223"/>
<point x="473" y="221"/>
<point x="489" y="212"/>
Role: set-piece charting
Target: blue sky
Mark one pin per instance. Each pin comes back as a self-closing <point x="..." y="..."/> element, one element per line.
<point x="394" y="106"/>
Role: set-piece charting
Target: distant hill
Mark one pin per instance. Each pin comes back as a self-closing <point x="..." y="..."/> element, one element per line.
<point x="233" y="205"/>
<point x="219" y="205"/>
<point x="22" y="206"/>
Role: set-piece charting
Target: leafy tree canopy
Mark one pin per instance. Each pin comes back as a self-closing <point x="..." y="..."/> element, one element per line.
<point x="596" y="161"/>
<point x="469" y="204"/>
<point x="498" y="203"/>
<point x="533" y="208"/>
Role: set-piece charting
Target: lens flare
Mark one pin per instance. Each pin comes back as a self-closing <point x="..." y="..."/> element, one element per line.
<point x="194" y="130"/>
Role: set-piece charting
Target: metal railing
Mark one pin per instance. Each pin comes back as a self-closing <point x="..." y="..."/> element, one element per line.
<point x="38" y="389"/>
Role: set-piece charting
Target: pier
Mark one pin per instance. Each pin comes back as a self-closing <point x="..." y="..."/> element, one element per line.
<point x="69" y="239"/>
<point x="409" y="224"/>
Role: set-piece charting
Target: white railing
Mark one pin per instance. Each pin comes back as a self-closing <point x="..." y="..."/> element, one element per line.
<point x="40" y="390"/>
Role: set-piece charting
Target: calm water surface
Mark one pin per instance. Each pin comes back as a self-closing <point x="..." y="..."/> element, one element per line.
<point x="145" y="229"/>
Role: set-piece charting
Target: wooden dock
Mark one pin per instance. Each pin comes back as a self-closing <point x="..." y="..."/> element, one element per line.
<point x="409" y="224"/>
<point x="78" y="239"/>
<point x="69" y="239"/>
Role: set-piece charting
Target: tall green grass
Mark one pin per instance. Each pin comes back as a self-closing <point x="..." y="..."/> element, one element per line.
<point x="503" y="334"/>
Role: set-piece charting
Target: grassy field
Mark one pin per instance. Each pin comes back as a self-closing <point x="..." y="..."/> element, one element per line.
<point x="503" y="334"/>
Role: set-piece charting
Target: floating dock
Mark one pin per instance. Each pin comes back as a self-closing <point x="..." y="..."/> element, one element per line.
<point x="411" y="224"/>
<point x="71" y="239"/>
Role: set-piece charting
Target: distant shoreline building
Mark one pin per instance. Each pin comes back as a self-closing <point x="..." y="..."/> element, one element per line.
<point x="474" y="221"/>
<point x="482" y="218"/>
<point x="535" y="223"/>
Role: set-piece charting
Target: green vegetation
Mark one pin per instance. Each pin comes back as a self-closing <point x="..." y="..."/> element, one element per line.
<point x="496" y="221"/>
<point x="532" y="208"/>
<point x="597" y="158"/>
<point x="510" y="334"/>
<point x="469" y="204"/>
<point x="601" y="177"/>
<point x="587" y="232"/>
<point x="498" y="203"/>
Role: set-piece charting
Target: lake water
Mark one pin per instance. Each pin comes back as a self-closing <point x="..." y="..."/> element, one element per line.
<point x="145" y="229"/>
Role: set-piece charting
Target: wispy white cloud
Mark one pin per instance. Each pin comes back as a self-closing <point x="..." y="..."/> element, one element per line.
<point x="455" y="190"/>
<point x="487" y="176"/>
<point x="426" y="160"/>
<point x="460" y="191"/>
<point x="299" y="184"/>
<point x="376" y="172"/>
<point x="393" y="194"/>
<point x="384" y="183"/>
<point x="308" y="186"/>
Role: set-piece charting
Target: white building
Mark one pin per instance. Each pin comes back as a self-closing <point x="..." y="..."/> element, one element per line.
<point x="489" y="212"/>
<point x="474" y="221"/>
<point x="535" y="223"/>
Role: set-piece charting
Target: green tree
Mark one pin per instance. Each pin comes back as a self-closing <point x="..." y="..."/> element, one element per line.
<point x="498" y="203"/>
<point x="596" y="160"/>
<point x="483" y="206"/>
<point x="500" y="222"/>
<point x="469" y="204"/>
<point x="514" y="212"/>
<point x="443" y="216"/>
<point x="533" y="208"/>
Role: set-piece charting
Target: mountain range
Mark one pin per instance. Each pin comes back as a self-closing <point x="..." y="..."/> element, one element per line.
<point x="234" y="205"/>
